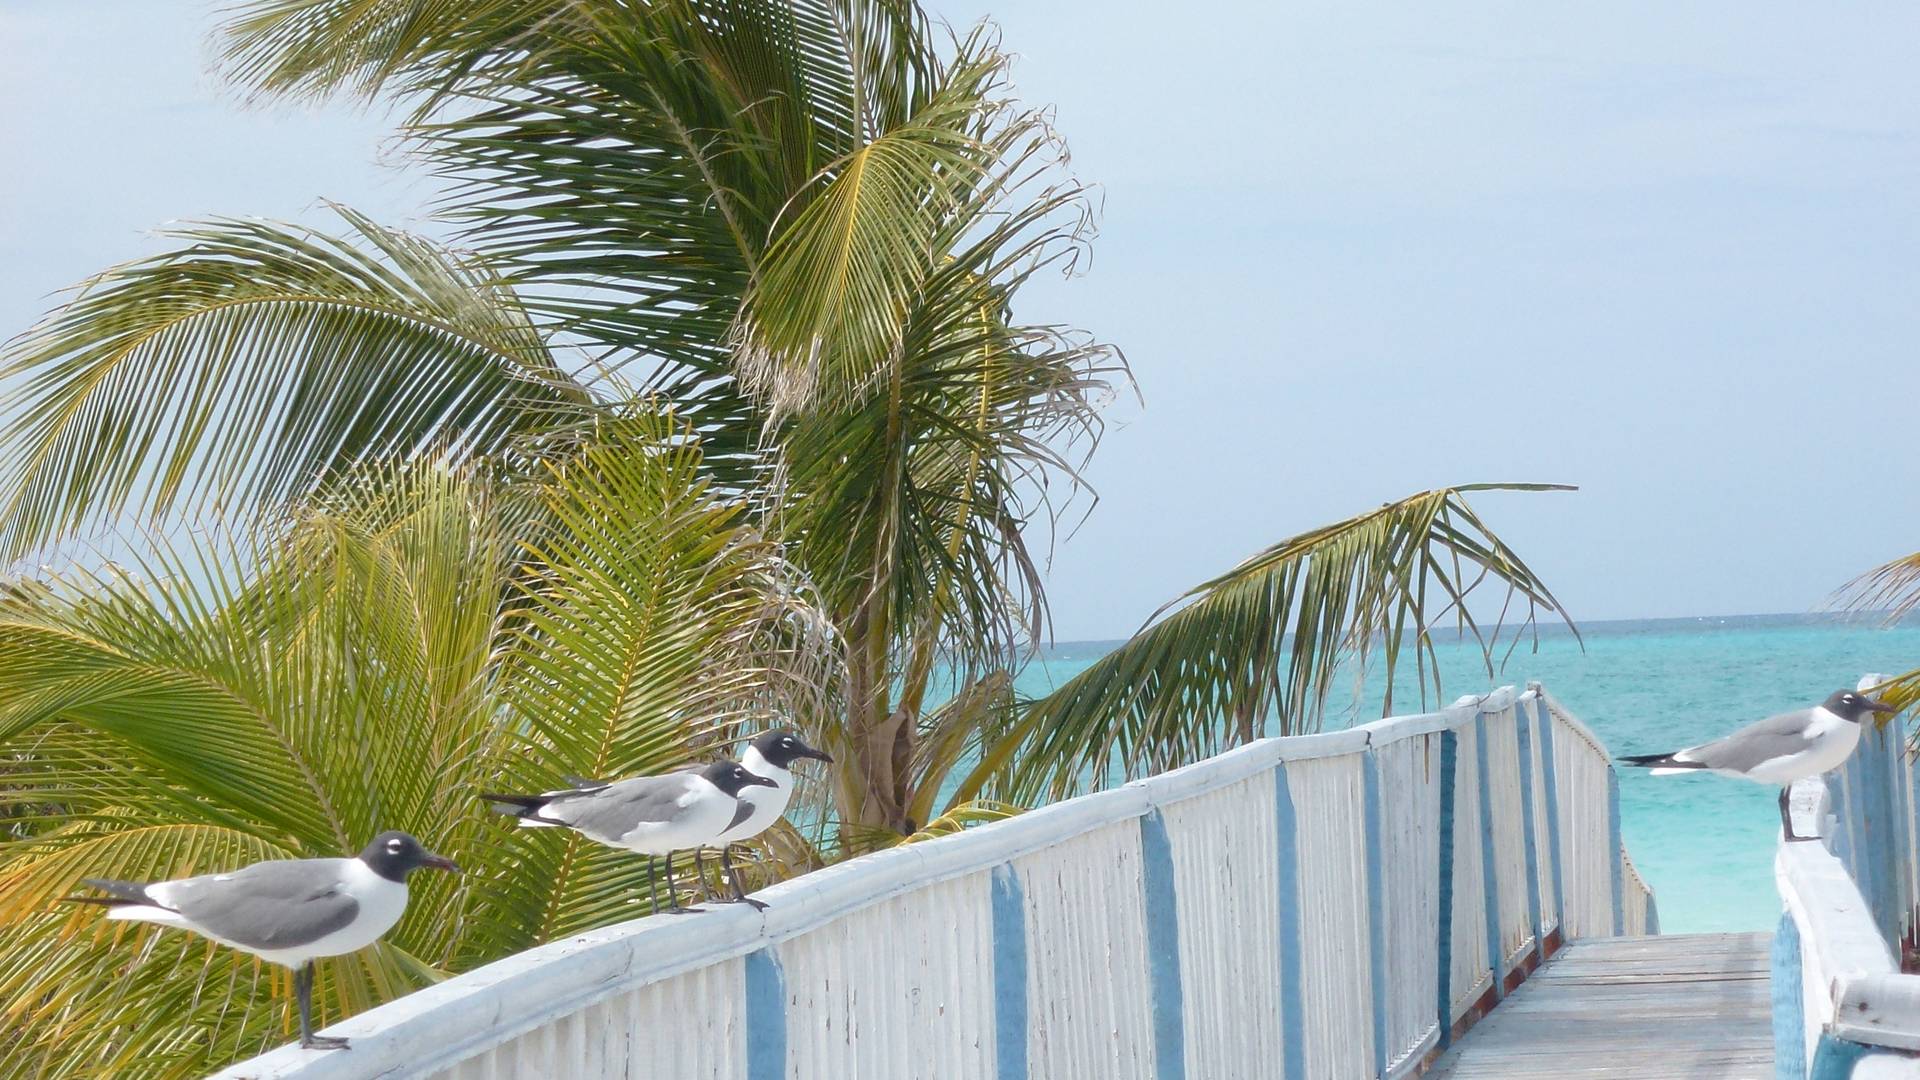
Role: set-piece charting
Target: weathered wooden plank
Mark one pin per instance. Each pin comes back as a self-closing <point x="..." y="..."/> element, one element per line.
<point x="1683" y="1007"/>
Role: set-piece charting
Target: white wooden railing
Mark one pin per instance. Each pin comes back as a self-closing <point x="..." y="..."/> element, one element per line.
<point x="1841" y="1006"/>
<point x="1328" y="906"/>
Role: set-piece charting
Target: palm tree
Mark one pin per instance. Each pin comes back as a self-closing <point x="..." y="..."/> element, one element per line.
<point x="800" y="230"/>
<point x="369" y="661"/>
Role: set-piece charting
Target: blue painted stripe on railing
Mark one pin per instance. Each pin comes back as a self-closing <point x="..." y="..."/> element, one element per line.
<point x="1376" y="907"/>
<point x="1789" y="1007"/>
<point x="1550" y="777"/>
<point x="1616" y="852"/>
<point x="1163" y="948"/>
<point x="1444" y="929"/>
<point x="766" y="1021"/>
<point x="1293" y="983"/>
<point x="1882" y="846"/>
<point x="1009" y="975"/>
<point x="1835" y="1059"/>
<point x="1523" y="731"/>
<point x="1489" y="864"/>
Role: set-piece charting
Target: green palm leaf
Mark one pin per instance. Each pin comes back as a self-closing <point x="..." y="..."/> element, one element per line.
<point x="1265" y="640"/>
<point x="1891" y="589"/>
<point x="252" y="361"/>
<point x="362" y="47"/>
<point x="833" y="293"/>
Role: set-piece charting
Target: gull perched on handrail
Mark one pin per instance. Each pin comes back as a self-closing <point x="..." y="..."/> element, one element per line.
<point x="1780" y="749"/>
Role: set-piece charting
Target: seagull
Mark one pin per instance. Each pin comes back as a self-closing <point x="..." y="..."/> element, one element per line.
<point x="651" y="815"/>
<point x="770" y="755"/>
<point x="286" y="911"/>
<point x="1780" y="749"/>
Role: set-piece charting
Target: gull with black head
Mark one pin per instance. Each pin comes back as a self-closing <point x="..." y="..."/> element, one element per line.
<point x="650" y="815"/>
<point x="771" y="755"/>
<point x="286" y="911"/>
<point x="1780" y="749"/>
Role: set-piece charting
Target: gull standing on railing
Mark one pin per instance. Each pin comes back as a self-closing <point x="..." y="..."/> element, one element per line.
<point x="1780" y="749"/>
<point x="650" y="815"/>
<point x="287" y="911"/>
<point x="770" y="755"/>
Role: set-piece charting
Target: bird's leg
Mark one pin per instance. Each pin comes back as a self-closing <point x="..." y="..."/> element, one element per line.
<point x="1786" y="818"/>
<point x="733" y="877"/>
<point x="303" y="993"/>
<point x="700" y="868"/>
<point x="653" y="887"/>
<point x="674" y="907"/>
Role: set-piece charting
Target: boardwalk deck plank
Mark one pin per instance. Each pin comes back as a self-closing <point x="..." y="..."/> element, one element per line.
<point x="1678" y="1007"/>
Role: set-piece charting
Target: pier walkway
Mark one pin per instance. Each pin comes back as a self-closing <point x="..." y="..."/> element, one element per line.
<point x="1677" y="1007"/>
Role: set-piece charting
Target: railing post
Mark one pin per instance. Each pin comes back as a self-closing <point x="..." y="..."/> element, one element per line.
<point x="1293" y="987"/>
<point x="1911" y="853"/>
<point x="1550" y="778"/>
<point x="1448" y="749"/>
<point x="1523" y="734"/>
<point x="1616" y="852"/>
<point x="1489" y="864"/>
<point x="1376" y="906"/>
<point x="1881" y="844"/>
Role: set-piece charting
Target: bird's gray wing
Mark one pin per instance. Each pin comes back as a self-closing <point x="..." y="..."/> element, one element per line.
<point x="1775" y="737"/>
<point x="741" y="812"/>
<point x="269" y="905"/>
<point x="611" y="812"/>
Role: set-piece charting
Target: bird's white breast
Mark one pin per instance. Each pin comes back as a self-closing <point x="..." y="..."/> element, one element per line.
<point x="768" y="803"/>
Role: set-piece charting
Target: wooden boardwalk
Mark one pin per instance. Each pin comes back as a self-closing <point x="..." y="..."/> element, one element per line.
<point x="1676" y="1007"/>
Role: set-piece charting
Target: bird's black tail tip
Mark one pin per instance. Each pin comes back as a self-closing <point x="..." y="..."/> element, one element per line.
<point x="119" y="893"/>
<point x="1650" y="761"/>
<point x="514" y="805"/>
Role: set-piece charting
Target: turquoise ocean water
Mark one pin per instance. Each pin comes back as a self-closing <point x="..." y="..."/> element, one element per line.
<point x="1705" y="843"/>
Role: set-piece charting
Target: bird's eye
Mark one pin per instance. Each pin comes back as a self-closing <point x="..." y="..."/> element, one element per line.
<point x="393" y="845"/>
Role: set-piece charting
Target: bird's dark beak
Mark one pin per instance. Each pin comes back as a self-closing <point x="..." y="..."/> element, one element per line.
<point x="756" y="780"/>
<point x="1876" y="705"/>
<point x="817" y="755"/>
<point x="440" y="862"/>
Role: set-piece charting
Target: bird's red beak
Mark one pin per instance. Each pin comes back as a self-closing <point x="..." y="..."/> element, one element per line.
<point x="440" y="862"/>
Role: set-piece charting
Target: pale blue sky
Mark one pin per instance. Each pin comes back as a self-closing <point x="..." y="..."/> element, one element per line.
<point x="1666" y="252"/>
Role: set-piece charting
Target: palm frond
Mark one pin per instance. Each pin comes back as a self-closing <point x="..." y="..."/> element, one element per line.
<point x="1255" y="650"/>
<point x="254" y="360"/>
<point x="838" y="282"/>
<point x="310" y="48"/>
<point x="1891" y="589"/>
